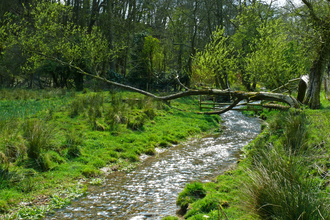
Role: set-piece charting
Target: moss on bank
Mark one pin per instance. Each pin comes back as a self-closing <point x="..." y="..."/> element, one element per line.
<point x="69" y="136"/>
<point x="284" y="175"/>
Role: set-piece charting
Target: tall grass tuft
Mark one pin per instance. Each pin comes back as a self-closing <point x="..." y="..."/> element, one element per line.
<point x="279" y="186"/>
<point x="12" y="145"/>
<point x="38" y="138"/>
<point x="73" y="142"/>
<point x="91" y="102"/>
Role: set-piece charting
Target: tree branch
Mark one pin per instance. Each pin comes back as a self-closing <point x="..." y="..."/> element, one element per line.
<point x="254" y="96"/>
<point x="177" y="78"/>
<point x="311" y="11"/>
<point x="223" y="110"/>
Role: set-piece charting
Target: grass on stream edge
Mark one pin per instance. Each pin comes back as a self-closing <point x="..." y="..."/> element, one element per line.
<point x="284" y="174"/>
<point x="51" y="141"/>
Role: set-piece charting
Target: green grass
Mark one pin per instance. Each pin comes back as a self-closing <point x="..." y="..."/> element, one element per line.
<point x="49" y="140"/>
<point x="285" y="174"/>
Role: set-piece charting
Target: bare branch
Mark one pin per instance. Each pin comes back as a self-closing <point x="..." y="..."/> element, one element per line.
<point x="177" y="78"/>
<point x="223" y="110"/>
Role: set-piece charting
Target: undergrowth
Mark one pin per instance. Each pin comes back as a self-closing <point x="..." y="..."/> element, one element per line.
<point x="69" y="136"/>
<point x="285" y="174"/>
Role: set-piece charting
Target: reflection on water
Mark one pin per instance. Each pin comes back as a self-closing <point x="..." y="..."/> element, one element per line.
<point x="150" y="191"/>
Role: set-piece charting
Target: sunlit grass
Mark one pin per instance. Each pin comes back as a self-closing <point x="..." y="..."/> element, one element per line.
<point x="57" y="138"/>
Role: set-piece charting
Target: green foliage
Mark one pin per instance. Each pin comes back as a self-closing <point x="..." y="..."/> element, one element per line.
<point x="276" y="58"/>
<point x="98" y="163"/>
<point x="137" y="121"/>
<point x="45" y="37"/>
<point x="216" y="61"/>
<point x="97" y="181"/>
<point x="73" y="151"/>
<point x="261" y="51"/>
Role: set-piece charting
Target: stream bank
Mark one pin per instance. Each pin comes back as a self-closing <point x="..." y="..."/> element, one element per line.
<point x="150" y="191"/>
<point x="284" y="174"/>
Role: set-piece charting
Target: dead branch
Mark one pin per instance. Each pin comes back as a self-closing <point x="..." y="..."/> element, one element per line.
<point x="223" y="110"/>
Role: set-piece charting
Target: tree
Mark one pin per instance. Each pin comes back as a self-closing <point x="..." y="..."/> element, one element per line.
<point x="47" y="36"/>
<point x="251" y="17"/>
<point x="319" y="20"/>
<point x="216" y="61"/>
<point x="277" y="56"/>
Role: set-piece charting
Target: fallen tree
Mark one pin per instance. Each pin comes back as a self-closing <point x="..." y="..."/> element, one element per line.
<point x="237" y="95"/>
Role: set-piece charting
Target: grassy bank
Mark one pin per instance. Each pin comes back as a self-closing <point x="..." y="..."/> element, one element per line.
<point x="51" y="140"/>
<point x="284" y="175"/>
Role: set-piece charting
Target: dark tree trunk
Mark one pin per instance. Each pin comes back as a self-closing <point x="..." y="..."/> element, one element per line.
<point x="315" y="76"/>
<point x="79" y="81"/>
<point x="302" y="87"/>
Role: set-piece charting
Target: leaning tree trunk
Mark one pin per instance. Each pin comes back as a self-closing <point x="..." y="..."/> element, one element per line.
<point x="315" y="77"/>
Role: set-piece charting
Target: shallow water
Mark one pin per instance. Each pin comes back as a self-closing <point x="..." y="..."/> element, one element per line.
<point x="151" y="190"/>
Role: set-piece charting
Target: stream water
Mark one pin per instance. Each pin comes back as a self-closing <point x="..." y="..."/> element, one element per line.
<point x="151" y="190"/>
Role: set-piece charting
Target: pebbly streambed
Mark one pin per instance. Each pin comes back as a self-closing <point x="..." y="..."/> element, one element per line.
<point x="151" y="190"/>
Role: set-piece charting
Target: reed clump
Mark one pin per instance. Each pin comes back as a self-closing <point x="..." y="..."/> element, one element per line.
<point x="279" y="185"/>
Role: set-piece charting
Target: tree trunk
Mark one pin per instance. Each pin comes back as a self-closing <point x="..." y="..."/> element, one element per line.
<point x="326" y="82"/>
<point x="315" y="77"/>
<point x="79" y="81"/>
